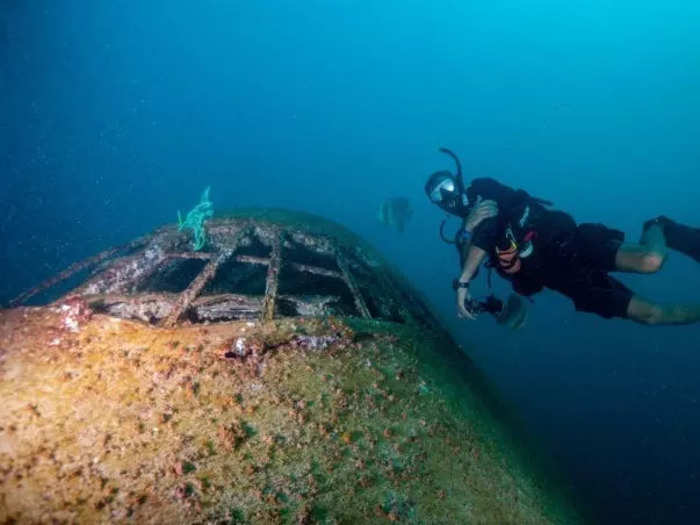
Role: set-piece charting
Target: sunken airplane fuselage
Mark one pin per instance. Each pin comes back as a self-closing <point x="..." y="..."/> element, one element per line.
<point x="395" y="213"/>
<point x="284" y="374"/>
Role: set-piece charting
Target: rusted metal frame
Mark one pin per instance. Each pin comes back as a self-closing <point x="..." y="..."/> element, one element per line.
<point x="195" y="287"/>
<point x="199" y="282"/>
<point x="316" y="270"/>
<point x="252" y="259"/>
<point x="210" y="307"/>
<point x="156" y="306"/>
<point x="243" y="299"/>
<point x="188" y="255"/>
<point x="352" y="285"/>
<point x="250" y="303"/>
<point x="227" y="307"/>
<point x="272" y="280"/>
<point x="226" y="297"/>
<point x="168" y="297"/>
<point x="147" y="307"/>
<point x="124" y="274"/>
<point x="110" y="298"/>
<point x="164" y="260"/>
<point x="74" y="268"/>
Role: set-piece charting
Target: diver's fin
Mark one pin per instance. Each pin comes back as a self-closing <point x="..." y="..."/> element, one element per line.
<point x="679" y="237"/>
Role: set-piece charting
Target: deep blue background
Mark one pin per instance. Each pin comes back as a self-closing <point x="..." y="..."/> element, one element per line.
<point x="115" y="114"/>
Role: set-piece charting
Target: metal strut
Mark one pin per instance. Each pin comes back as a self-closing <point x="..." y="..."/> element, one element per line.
<point x="196" y="286"/>
<point x="74" y="268"/>
<point x="272" y="281"/>
<point x="352" y="285"/>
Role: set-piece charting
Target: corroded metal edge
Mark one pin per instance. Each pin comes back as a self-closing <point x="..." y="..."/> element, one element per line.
<point x="272" y="280"/>
<point x="120" y="281"/>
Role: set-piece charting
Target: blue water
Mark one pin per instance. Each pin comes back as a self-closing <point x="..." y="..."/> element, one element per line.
<point x="116" y="114"/>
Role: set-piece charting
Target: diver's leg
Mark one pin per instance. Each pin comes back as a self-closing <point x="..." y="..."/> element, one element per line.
<point x="646" y="257"/>
<point x="680" y="237"/>
<point x="646" y="312"/>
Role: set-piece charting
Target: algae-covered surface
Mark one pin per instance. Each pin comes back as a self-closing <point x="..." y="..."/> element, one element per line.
<point x="293" y="421"/>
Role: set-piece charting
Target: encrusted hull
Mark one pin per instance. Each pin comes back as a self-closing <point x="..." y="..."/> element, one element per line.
<point x="122" y="403"/>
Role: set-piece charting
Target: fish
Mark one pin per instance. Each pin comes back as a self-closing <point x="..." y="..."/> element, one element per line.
<point x="395" y="213"/>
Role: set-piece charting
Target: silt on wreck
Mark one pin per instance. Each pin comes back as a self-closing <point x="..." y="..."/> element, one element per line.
<point x="284" y="374"/>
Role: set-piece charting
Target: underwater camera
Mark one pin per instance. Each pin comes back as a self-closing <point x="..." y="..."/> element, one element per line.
<point x="511" y="313"/>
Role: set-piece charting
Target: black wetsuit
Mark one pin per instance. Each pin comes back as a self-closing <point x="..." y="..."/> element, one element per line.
<point x="572" y="259"/>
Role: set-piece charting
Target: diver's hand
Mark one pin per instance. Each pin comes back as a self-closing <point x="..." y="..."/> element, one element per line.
<point x="480" y="211"/>
<point x="463" y="298"/>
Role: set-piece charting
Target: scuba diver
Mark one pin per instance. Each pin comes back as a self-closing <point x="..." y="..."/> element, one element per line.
<point x="534" y="246"/>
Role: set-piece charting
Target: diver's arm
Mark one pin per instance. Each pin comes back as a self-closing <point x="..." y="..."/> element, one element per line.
<point x="480" y="211"/>
<point x="475" y="256"/>
<point x="482" y="216"/>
